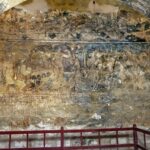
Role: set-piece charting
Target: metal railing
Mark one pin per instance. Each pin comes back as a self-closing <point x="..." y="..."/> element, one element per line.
<point x="80" y="138"/>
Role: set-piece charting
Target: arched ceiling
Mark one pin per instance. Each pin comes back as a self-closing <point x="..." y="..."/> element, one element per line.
<point x="142" y="6"/>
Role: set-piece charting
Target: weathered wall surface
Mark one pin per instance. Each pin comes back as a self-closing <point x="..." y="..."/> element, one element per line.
<point x="63" y="88"/>
<point x="69" y="68"/>
<point x="142" y="6"/>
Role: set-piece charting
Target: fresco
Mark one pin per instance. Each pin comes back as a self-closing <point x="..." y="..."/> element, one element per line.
<point x="70" y="68"/>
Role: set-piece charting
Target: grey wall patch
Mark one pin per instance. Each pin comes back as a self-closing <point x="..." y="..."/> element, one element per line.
<point x="3" y="6"/>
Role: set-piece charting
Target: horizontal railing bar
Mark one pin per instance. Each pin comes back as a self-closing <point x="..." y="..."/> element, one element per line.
<point x="102" y="136"/>
<point x="99" y="130"/>
<point x="29" y="132"/>
<point x="98" y="146"/>
<point x="65" y="131"/>
<point x="69" y="137"/>
<point x="77" y="147"/>
<point x="143" y="131"/>
<point x="46" y="148"/>
<point x="142" y="148"/>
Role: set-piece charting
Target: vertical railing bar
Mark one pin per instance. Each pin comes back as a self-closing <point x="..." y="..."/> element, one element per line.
<point x="10" y="141"/>
<point x="117" y="139"/>
<point x="44" y="142"/>
<point x="62" y="138"/>
<point x="27" y="140"/>
<point x="144" y="141"/>
<point x="81" y="138"/>
<point x="99" y="140"/>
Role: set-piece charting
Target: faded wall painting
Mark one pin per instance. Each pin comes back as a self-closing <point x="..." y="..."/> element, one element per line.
<point x="65" y="66"/>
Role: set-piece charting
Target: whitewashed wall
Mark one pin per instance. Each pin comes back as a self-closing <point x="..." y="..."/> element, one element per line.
<point x="7" y="4"/>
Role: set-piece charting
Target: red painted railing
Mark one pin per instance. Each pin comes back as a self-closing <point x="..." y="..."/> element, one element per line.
<point x="115" y="138"/>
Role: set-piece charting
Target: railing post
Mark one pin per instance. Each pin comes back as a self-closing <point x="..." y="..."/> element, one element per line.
<point x="117" y="140"/>
<point x="27" y="141"/>
<point x="99" y="140"/>
<point x="44" y="142"/>
<point x="135" y="137"/>
<point x="62" y="138"/>
<point x="144" y="141"/>
<point x="9" y="141"/>
<point x="81" y="139"/>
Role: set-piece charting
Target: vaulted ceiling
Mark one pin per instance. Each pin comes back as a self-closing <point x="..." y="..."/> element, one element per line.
<point x="142" y="6"/>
